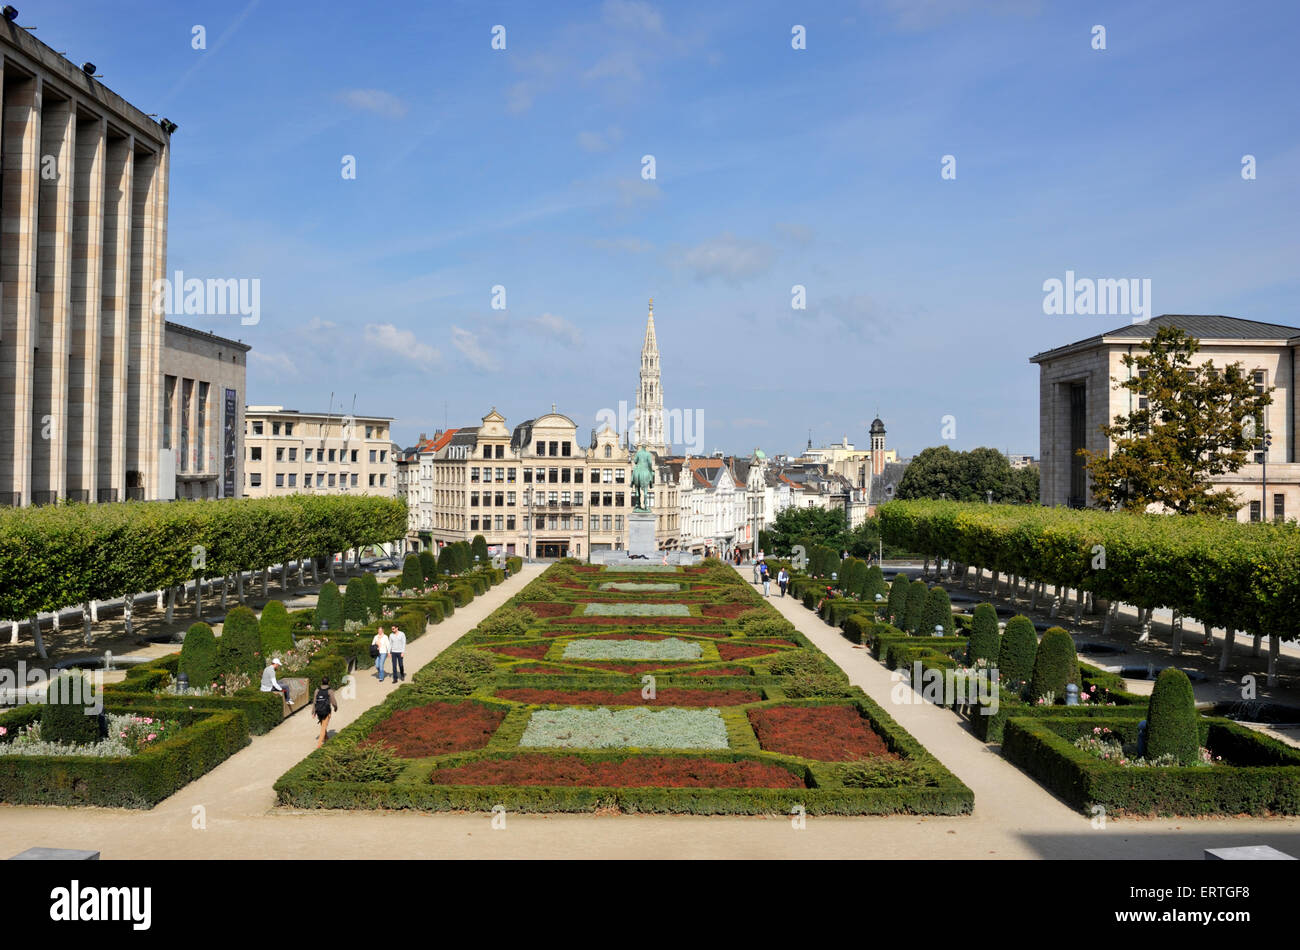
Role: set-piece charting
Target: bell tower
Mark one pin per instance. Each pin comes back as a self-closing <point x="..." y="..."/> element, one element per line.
<point x="649" y="428"/>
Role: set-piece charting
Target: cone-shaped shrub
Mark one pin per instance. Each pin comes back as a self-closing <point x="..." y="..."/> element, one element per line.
<point x="370" y="587"/>
<point x="428" y="564"/>
<point x="1055" y="665"/>
<point x="354" y="602"/>
<point x="199" y="654"/>
<point x="897" y="606"/>
<point x="1171" y="718"/>
<point x="274" y="628"/>
<point x="1019" y="646"/>
<point x="412" y="573"/>
<point x="239" y="648"/>
<point x="478" y="549"/>
<point x="329" y="607"/>
<point x="985" y="642"/>
<point x="874" y="583"/>
<point x="914" y="614"/>
<point x="63" y="718"/>
<point x="938" y="613"/>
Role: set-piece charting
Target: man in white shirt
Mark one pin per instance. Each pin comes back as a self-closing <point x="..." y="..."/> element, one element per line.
<point x="270" y="684"/>
<point x="396" y="647"/>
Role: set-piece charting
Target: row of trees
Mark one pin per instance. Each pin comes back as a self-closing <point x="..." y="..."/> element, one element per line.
<point x="1222" y="572"/>
<point x="824" y="526"/>
<point x="968" y="476"/>
<point x="59" y="556"/>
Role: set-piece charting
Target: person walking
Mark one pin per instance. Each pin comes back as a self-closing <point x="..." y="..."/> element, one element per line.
<point x="324" y="705"/>
<point x="379" y="650"/>
<point x="783" y="581"/>
<point x="767" y="581"/>
<point x="396" y="648"/>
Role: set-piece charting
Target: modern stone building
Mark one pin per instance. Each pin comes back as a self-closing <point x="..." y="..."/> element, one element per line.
<point x="83" y="237"/>
<point x="202" y="431"/>
<point x="292" y="452"/>
<point x="1077" y="396"/>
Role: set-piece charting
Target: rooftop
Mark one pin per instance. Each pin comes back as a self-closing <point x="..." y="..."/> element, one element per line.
<point x="1201" y="326"/>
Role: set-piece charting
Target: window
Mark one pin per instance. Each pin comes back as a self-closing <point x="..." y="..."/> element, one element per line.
<point x="354" y="480"/>
<point x="257" y="428"/>
<point x="565" y="449"/>
<point x="1254" y="511"/>
<point x="307" y="455"/>
<point x="539" y="475"/>
<point x="473" y="499"/>
<point x="1279" y="507"/>
<point x="498" y="522"/>
<point x="354" y="455"/>
<point x="618" y="522"/>
<point x="501" y="451"/>
<point x="275" y="428"/>
<point x="255" y="453"/>
<point x="552" y="498"/>
<point x="169" y="407"/>
<point x="370" y="432"/>
<point x="577" y="498"/>
<point x="510" y="476"/>
<point x="566" y="497"/>
<point x="187" y="399"/>
<point x="320" y="479"/>
<point x="564" y="522"/>
<point x="1260" y="378"/>
<point x="609" y="452"/>
<point x="510" y="522"/>
<point x="565" y="475"/>
<point x="331" y="479"/>
<point x="606" y="523"/>
<point x="372" y="479"/>
<point x="500" y="499"/>
<point x="279" y="455"/>
<point x="608" y="500"/>
<point x="528" y="476"/>
<point x="487" y="451"/>
<point x="255" y="479"/>
<point x="293" y="455"/>
<point x="607" y="475"/>
<point x="279" y="479"/>
<point x="473" y="475"/>
<point x="620" y="475"/>
<point x="555" y="448"/>
<point x="332" y="457"/>
<point x="288" y="428"/>
<point x="501" y="474"/>
<point x="473" y="523"/>
<point x="383" y="480"/>
<point x="510" y="498"/>
<point x="577" y="475"/>
<point x="539" y="448"/>
<point x="554" y="475"/>
<point x="577" y="523"/>
<point x="293" y="479"/>
<point x="551" y="524"/>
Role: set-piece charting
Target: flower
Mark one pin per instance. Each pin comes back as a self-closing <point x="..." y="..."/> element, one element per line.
<point x="3" y="731"/>
<point x="150" y="737"/>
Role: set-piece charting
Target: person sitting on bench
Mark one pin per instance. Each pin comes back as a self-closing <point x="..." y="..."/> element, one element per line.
<point x="271" y="685"/>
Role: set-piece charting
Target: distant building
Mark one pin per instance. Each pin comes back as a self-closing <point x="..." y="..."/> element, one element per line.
<point x="1076" y="397"/>
<point x="1022" y="461"/>
<point x="290" y="452"/>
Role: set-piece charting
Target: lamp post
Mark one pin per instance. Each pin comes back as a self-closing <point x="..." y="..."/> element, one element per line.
<point x="989" y="496"/>
<point x="528" y="513"/>
<point x="1263" y="502"/>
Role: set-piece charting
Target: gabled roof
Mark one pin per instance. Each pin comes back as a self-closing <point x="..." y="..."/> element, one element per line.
<point x="1201" y="326"/>
<point x="885" y="485"/>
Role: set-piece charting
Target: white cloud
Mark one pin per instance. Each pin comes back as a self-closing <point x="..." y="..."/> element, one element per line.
<point x="599" y="141"/>
<point x="798" y="233"/>
<point x="275" y="361"/>
<point x="402" y="343"/>
<point x="628" y="245"/>
<point x="727" y="256"/>
<point x="374" y="100"/>
<point x="468" y="344"/>
<point x="632" y="15"/>
<point x="316" y="323"/>
<point x="552" y="325"/>
<point x="632" y="190"/>
<point x="614" y="66"/>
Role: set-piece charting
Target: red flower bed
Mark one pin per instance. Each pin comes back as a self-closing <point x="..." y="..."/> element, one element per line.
<point x="730" y="611"/>
<point x="646" y="770"/>
<point x="532" y="651"/>
<point x="437" y="728"/>
<point x="670" y="696"/>
<point x="773" y="640"/>
<point x="646" y="621"/>
<point x="717" y="671"/>
<point x="828" y="733"/>
<point x="742" y="651"/>
<point x="545" y="609"/>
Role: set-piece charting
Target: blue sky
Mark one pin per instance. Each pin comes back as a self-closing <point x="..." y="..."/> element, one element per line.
<point x="774" y="167"/>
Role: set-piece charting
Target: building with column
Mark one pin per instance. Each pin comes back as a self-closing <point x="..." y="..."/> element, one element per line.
<point x="83" y="238"/>
<point x="202" y="429"/>
<point x="290" y="452"/>
<point x="1077" y="396"/>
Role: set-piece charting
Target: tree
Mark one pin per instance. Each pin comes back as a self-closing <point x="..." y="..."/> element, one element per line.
<point x="478" y="554"/>
<point x="329" y="608"/>
<point x="199" y="655"/>
<point x="1190" y="424"/>
<point x="355" y="606"/>
<point x="1171" y="719"/>
<point x="985" y="640"/>
<point x="412" y="572"/>
<point x="808" y="526"/>
<point x="1016" y="656"/>
<point x="428" y="565"/>
<point x="239" y="648"/>
<point x="897" y="605"/>
<point x="939" y="472"/>
<point x="274" y="628"/>
<point x="914" y="613"/>
<point x="937" y="612"/>
<point x="1056" y="665"/>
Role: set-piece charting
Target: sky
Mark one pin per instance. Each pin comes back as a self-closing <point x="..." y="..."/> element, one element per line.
<point x="822" y="167"/>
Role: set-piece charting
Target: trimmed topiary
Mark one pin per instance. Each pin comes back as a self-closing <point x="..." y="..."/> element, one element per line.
<point x="914" y="612"/>
<point x="239" y="648"/>
<point x="938" y="613"/>
<point x="897" y="606"/>
<point x="370" y="587"/>
<point x="478" y="551"/>
<point x="64" y="717"/>
<point x="874" y="583"/>
<point x="329" y="607"/>
<point x="355" y="606"/>
<point x="985" y="641"/>
<point x="1019" y="647"/>
<point x="1171" y="719"/>
<point x="412" y="573"/>
<point x="1055" y="666"/>
<point x="428" y="565"/>
<point x="274" y="628"/>
<point x="199" y="654"/>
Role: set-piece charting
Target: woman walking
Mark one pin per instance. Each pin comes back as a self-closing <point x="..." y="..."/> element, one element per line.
<point x="324" y="705"/>
<point x="379" y="649"/>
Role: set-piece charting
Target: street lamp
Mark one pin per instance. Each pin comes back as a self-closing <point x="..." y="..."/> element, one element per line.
<point x="1263" y="502"/>
<point x="989" y="495"/>
<point x="528" y="513"/>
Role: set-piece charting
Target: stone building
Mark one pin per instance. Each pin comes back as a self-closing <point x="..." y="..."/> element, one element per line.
<point x="290" y="452"/>
<point x="81" y="247"/>
<point x="1077" y="396"/>
<point x="202" y="428"/>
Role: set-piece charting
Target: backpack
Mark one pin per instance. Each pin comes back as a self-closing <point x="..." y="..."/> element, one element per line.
<point x="322" y="707"/>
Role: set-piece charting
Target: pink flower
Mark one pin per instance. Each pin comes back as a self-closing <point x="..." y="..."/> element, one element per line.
<point x="3" y="731"/>
<point x="151" y="736"/>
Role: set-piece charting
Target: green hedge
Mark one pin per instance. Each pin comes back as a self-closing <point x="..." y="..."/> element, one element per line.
<point x="1263" y="779"/>
<point x="140" y="781"/>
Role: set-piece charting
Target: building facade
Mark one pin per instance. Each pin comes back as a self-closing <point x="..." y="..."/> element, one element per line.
<point x="80" y="249"/>
<point x="202" y="430"/>
<point x="1077" y="396"/>
<point x="289" y="452"/>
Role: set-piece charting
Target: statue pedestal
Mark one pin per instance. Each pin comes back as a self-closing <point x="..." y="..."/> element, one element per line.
<point x="641" y="535"/>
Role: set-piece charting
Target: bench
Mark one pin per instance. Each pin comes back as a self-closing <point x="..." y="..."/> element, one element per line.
<point x="298" y="687"/>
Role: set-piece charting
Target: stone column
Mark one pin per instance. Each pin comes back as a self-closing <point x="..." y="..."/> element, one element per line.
<point x="86" y="262"/>
<point x="113" y="349"/>
<point x="144" y="329"/>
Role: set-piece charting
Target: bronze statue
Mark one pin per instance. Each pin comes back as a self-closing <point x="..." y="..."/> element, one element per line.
<point x="643" y="479"/>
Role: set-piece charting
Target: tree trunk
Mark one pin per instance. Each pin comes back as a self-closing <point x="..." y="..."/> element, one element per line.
<point x="1036" y="589"/>
<point x="1015" y="583"/>
<point x="266" y="582"/>
<point x="36" y="635"/>
<point x="171" y="605"/>
<point x="1078" y="606"/>
<point x="198" y="599"/>
<point x="1111" y="613"/>
<point x="993" y="591"/>
<point x="1056" y="601"/>
<point x="925" y="568"/>
<point x="94" y="611"/>
<point x="13" y="632"/>
<point x="225" y="589"/>
<point x="128" y="606"/>
<point x="1176" y="635"/>
<point x="239" y="586"/>
<point x="1254" y="650"/>
<point x="86" y="635"/>
<point x="1145" y="635"/>
<point x="1274" y="647"/>
<point x="54" y="623"/>
<point x="1229" y="636"/>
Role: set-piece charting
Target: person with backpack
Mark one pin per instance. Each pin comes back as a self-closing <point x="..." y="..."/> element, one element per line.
<point x="324" y="705"/>
<point x="379" y="650"/>
<point x="767" y="580"/>
<point x="397" y="647"/>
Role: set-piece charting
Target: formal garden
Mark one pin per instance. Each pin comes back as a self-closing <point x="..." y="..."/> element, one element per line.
<point x="1072" y="726"/>
<point x="670" y="690"/>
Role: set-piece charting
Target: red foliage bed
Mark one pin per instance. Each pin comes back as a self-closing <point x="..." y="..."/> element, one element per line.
<point x="717" y="671"/>
<point x="437" y="728"/>
<point x="546" y="608"/>
<point x="742" y="651"/>
<point x="668" y="696"/>
<point x="644" y="770"/>
<point x="828" y="733"/>
<point x="730" y="611"/>
<point x="531" y="651"/>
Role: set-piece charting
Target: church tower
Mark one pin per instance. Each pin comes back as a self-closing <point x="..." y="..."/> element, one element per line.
<point x="649" y="427"/>
<point x="877" y="446"/>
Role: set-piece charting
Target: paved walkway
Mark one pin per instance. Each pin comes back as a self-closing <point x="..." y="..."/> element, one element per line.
<point x="1014" y="817"/>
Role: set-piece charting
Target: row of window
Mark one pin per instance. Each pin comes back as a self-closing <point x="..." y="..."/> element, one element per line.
<point x="258" y="427"/>
<point x="555" y="449"/>
<point x="1279" y="509"/>
<point x="290" y="480"/>
<point x="565" y="476"/>
<point x="501" y="498"/>
<point x="310" y="455"/>
<point x="546" y="523"/>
